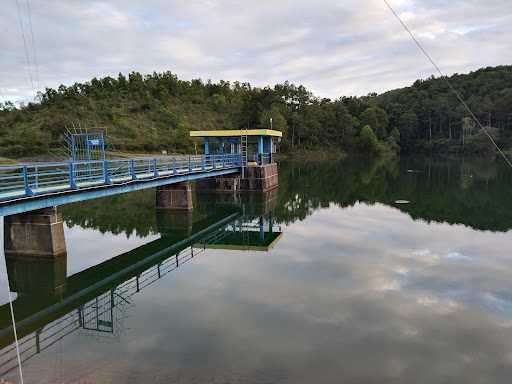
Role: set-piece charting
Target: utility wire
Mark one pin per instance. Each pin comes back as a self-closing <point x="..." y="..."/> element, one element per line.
<point x="33" y="43"/>
<point x="445" y="78"/>
<point x="20" y="372"/>
<point x="27" y="57"/>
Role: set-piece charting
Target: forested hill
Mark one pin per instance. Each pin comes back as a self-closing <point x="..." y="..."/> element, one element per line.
<point x="428" y="115"/>
<point x="156" y="112"/>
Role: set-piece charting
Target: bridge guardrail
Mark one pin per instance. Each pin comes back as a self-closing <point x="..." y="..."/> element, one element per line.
<point x="24" y="180"/>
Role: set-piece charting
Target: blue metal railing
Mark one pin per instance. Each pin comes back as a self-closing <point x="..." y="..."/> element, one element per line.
<point x="260" y="159"/>
<point x="26" y="180"/>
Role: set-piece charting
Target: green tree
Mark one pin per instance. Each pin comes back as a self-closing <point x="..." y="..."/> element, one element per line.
<point x="408" y="126"/>
<point x="279" y="123"/>
<point x="368" y="141"/>
<point x="377" y="119"/>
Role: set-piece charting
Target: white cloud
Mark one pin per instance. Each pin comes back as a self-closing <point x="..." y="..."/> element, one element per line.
<point x="332" y="47"/>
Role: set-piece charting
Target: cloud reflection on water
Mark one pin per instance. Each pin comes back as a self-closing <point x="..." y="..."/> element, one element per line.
<point x="361" y="294"/>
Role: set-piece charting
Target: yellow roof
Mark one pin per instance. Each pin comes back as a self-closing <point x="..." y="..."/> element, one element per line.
<point x="237" y="132"/>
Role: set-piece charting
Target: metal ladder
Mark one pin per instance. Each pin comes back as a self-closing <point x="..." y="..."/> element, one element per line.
<point x="243" y="150"/>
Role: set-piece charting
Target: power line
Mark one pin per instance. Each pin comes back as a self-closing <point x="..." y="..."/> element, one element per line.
<point x="445" y="78"/>
<point x="20" y="371"/>
<point x="27" y="57"/>
<point x="33" y="43"/>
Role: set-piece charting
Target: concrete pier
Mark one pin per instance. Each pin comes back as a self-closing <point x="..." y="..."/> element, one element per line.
<point x="175" y="196"/>
<point x="261" y="178"/>
<point x="38" y="234"/>
<point x="35" y="252"/>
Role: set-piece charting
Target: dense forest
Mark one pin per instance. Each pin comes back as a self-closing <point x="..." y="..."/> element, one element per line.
<point x="155" y="112"/>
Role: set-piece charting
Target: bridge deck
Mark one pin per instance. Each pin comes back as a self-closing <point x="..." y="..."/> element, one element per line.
<point x="26" y="187"/>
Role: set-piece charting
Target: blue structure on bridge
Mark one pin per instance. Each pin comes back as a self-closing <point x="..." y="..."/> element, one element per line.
<point x="85" y="145"/>
<point x="254" y="145"/>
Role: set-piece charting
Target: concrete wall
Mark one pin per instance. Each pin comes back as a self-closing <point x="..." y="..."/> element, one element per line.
<point x="260" y="178"/>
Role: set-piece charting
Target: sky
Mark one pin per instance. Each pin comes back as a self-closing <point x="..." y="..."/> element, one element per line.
<point x="334" y="48"/>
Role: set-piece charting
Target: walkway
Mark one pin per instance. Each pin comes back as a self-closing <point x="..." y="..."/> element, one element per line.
<point x="26" y="187"/>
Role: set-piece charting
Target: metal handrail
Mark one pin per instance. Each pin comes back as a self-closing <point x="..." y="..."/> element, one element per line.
<point x="24" y="180"/>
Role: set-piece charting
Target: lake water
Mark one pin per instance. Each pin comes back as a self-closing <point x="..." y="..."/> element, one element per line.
<point x="326" y="280"/>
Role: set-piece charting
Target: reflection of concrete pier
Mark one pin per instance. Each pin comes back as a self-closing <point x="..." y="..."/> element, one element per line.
<point x="37" y="276"/>
<point x="174" y="223"/>
<point x="253" y="203"/>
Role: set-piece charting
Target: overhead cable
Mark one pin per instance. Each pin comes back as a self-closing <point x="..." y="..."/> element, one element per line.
<point x="447" y="81"/>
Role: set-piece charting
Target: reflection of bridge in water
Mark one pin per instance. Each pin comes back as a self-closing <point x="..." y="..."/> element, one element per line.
<point x="50" y="305"/>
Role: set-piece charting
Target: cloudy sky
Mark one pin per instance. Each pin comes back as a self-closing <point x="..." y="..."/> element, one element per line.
<point x="334" y="47"/>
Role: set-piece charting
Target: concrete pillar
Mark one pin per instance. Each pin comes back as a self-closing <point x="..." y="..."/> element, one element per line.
<point x="175" y="196"/>
<point x="261" y="178"/>
<point x="36" y="234"/>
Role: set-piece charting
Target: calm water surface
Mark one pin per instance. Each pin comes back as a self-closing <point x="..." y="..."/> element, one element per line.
<point x="326" y="280"/>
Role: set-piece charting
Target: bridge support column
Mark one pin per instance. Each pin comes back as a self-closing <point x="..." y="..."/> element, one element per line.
<point x="35" y="252"/>
<point x="36" y="234"/>
<point x="175" y="196"/>
<point x="262" y="178"/>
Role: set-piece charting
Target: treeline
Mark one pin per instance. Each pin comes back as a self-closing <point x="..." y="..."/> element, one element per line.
<point x="156" y="112"/>
<point x="429" y="115"/>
